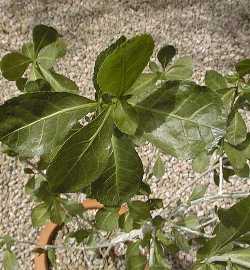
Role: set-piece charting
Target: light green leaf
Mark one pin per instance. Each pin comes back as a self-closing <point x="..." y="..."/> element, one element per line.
<point x="215" y="80"/>
<point x="185" y="127"/>
<point x="59" y="82"/>
<point x="236" y="130"/>
<point x="9" y="260"/>
<point x="153" y="66"/>
<point x="102" y="56"/>
<point x="107" y="219"/>
<point x="40" y="215"/>
<point x="143" y="87"/>
<point x="13" y="65"/>
<point x="236" y="158"/>
<point x="134" y="260"/>
<point x="83" y="157"/>
<point x="198" y="192"/>
<point x="122" y="177"/>
<point x="28" y="50"/>
<point x="182" y="69"/>
<point x="57" y="212"/>
<point x="48" y="55"/>
<point x="35" y="73"/>
<point x="126" y="222"/>
<point x="124" y="65"/>
<point x="166" y="54"/>
<point x="158" y="169"/>
<point x="42" y="36"/>
<point x="201" y="162"/>
<point x="32" y="124"/>
<point x="52" y="257"/>
<point x="125" y="117"/>
<point x="243" y="67"/>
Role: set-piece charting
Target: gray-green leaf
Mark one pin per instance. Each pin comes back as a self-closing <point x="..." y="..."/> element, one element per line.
<point x="158" y="169"/>
<point x="40" y="215"/>
<point x="9" y="260"/>
<point x="215" y="80"/>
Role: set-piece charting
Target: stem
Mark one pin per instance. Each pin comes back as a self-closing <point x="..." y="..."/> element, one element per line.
<point x="185" y="229"/>
<point x="221" y="177"/>
<point x="35" y="168"/>
<point x="227" y="258"/>
<point x="205" y="224"/>
<point x="152" y="249"/>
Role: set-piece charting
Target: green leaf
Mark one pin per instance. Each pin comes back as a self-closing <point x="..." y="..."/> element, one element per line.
<point x="73" y="208"/>
<point x="243" y="67"/>
<point x="153" y="66"/>
<point x="13" y="65"/>
<point x="198" y="192"/>
<point x="59" y="82"/>
<point x="9" y="261"/>
<point x="159" y="261"/>
<point x="107" y="219"/>
<point x="32" y="124"/>
<point x="134" y="260"/>
<point x="52" y="257"/>
<point x="181" y="70"/>
<point x="20" y="83"/>
<point x="83" y="157"/>
<point x="80" y="235"/>
<point x="201" y="162"/>
<point x="236" y="130"/>
<point x="35" y="73"/>
<point x="48" y="55"/>
<point x="186" y="127"/>
<point x="126" y="222"/>
<point x="143" y="87"/>
<point x="181" y="241"/>
<point x="102" y="56"/>
<point x="235" y="156"/>
<point x="42" y="36"/>
<point x="57" y="212"/>
<point x="28" y="50"/>
<point x="40" y="215"/>
<point x="155" y="204"/>
<point x="166" y="54"/>
<point x="124" y="65"/>
<point x="122" y="177"/>
<point x="139" y="211"/>
<point x="38" y="85"/>
<point x="215" y="80"/>
<point x="125" y="117"/>
<point x="159" y="168"/>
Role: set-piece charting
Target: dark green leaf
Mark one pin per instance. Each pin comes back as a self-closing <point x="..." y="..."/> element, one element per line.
<point x="236" y="158"/>
<point x="38" y="85"/>
<point x="42" y="36"/>
<point x="155" y="204"/>
<point x="48" y="55"/>
<point x="59" y="82"/>
<point x="124" y="65"/>
<point x="34" y="123"/>
<point x="40" y="215"/>
<point x="182" y="69"/>
<point x="159" y="261"/>
<point x="125" y="117"/>
<point x="185" y="127"/>
<point x="20" y="83"/>
<point x="101" y="57"/>
<point x="139" y="211"/>
<point x="158" y="169"/>
<point x="84" y="156"/>
<point x="236" y="130"/>
<point x="80" y="235"/>
<point x="123" y="175"/>
<point x="166" y="54"/>
<point x="73" y="208"/>
<point x="126" y="222"/>
<point x="243" y="67"/>
<point x="9" y="261"/>
<point x="181" y="241"/>
<point x="134" y="260"/>
<point x="215" y="80"/>
<point x="107" y="219"/>
<point x="13" y="65"/>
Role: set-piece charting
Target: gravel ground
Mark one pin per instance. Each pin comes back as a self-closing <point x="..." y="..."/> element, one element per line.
<point x="215" y="33"/>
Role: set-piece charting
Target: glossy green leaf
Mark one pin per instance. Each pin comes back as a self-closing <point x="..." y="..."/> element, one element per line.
<point x="236" y="158"/>
<point x="182" y="69"/>
<point x="243" y="67"/>
<point x="124" y="65"/>
<point x="236" y="130"/>
<point x="143" y="87"/>
<point x="32" y="124"/>
<point x="13" y="65"/>
<point x="185" y="127"/>
<point x="166" y="54"/>
<point x="42" y="36"/>
<point x="159" y="168"/>
<point x="122" y="177"/>
<point x="102" y="56"/>
<point x="40" y="215"/>
<point x="9" y="261"/>
<point x="214" y="80"/>
<point x="48" y="55"/>
<point x="28" y="50"/>
<point x="107" y="219"/>
<point x="125" y="117"/>
<point x="83" y="157"/>
<point x="59" y="82"/>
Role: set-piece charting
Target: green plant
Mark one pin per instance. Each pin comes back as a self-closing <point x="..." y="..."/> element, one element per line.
<point x="76" y="145"/>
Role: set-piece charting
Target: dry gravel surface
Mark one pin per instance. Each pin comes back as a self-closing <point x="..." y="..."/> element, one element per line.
<point x="215" y="33"/>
